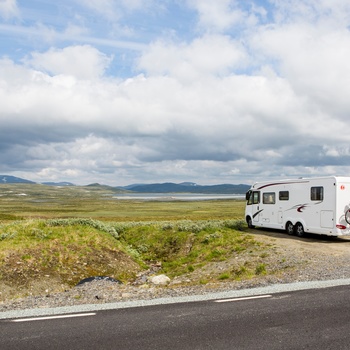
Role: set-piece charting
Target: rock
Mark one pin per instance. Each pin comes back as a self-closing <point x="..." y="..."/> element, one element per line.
<point x="159" y="280"/>
<point x="126" y="295"/>
<point x="98" y="278"/>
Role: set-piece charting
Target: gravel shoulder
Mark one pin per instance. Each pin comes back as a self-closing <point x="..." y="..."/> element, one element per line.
<point x="290" y="259"/>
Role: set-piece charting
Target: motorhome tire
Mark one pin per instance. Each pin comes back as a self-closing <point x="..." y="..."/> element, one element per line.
<point x="250" y="222"/>
<point x="299" y="230"/>
<point x="290" y="228"/>
<point x="347" y="216"/>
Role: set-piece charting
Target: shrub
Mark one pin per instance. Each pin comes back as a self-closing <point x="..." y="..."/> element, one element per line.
<point x="7" y="235"/>
<point x="224" y="276"/>
<point x="190" y="268"/>
<point x="99" y="225"/>
<point x="260" y="269"/>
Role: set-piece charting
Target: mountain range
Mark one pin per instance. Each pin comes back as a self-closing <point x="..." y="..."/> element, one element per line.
<point x="167" y="187"/>
<point x="6" y="179"/>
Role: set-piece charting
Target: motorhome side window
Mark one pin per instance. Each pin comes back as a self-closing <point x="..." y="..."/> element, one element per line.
<point x="283" y="195"/>
<point x="253" y="197"/>
<point x="269" y="198"/>
<point x="256" y="197"/>
<point x="317" y="193"/>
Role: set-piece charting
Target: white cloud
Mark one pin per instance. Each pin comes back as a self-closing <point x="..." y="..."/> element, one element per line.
<point x="219" y="15"/>
<point x="225" y="105"/>
<point x="311" y="11"/>
<point x="114" y="10"/>
<point x="82" y="62"/>
<point x="9" y="9"/>
<point x="208" y="55"/>
<point x="107" y="8"/>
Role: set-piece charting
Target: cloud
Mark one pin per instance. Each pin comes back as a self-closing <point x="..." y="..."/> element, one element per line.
<point x="218" y="16"/>
<point x="9" y="9"/>
<point x="144" y="120"/>
<point x="312" y="58"/>
<point x="207" y="55"/>
<point x="254" y="92"/>
<point x="217" y="122"/>
<point x="70" y="34"/>
<point x="114" y="11"/>
<point x="109" y="9"/>
<point x="82" y="62"/>
<point x="311" y="11"/>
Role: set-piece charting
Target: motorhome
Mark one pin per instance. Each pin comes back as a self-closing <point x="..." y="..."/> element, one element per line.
<point x="298" y="206"/>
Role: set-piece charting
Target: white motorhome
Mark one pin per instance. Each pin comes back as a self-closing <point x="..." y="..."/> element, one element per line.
<point x="305" y="205"/>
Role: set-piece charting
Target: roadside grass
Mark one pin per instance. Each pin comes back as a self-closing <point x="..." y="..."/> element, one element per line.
<point x="69" y="250"/>
<point x="63" y="235"/>
<point x="65" y="251"/>
<point x="183" y="247"/>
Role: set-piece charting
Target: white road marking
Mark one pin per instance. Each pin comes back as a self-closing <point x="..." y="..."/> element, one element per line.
<point x="244" y="298"/>
<point x="53" y="317"/>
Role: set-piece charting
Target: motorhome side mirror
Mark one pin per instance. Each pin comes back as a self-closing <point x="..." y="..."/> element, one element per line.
<point x="247" y="195"/>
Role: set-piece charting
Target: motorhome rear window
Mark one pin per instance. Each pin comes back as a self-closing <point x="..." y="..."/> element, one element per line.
<point x="269" y="198"/>
<point x="283" y="195"/>
<point x="317" y="193"/>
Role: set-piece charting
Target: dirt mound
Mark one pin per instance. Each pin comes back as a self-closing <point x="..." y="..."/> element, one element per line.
<point x="31" y="272"/>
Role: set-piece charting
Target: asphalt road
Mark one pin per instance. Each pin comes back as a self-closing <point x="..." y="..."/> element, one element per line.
<point x="308" y="319"/>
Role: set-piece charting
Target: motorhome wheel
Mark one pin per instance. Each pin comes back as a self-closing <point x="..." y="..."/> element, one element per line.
<point x="250" y="222"/>
<point x="290" y="228"/>
<point x="299" y="230"/>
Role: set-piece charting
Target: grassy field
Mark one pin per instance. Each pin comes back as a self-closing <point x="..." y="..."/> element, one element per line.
<point x="38" y="201"/>
<point x="51" y="238"/>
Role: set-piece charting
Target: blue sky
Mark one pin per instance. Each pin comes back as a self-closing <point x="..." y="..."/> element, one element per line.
<point x="129" y="91"/>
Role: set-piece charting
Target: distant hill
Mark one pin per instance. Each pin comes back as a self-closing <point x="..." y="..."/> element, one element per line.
<point x="170" y="187"/>
<point x="6" y="179"/>
<point x="130" y="187"/>
<point x="167" y="187"/>
<point x="58" y="184"/>
<point x="98" y="186"/>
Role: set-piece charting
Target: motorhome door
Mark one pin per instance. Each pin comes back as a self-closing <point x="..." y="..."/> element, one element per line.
<point x="256" y="205"/>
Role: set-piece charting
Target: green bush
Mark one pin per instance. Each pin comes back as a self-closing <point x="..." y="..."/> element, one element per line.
<point x="98" y="225"/>
<point x="260" y="269"/>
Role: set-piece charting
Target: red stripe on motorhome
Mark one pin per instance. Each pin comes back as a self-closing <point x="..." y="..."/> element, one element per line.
<point x="281" y="183"/>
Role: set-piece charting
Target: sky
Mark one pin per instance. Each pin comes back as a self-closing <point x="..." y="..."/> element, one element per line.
<point x="146" y="91"/>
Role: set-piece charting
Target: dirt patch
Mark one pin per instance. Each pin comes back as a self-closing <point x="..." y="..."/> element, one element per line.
<point x="30" y="272"/>
<point x="314" y="244"/>
<point x="284" y="259"/>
